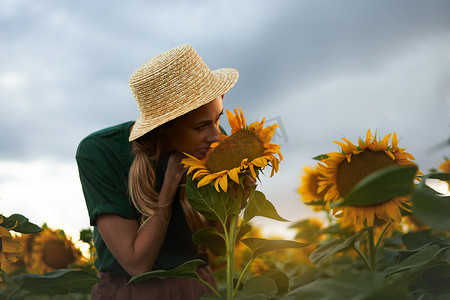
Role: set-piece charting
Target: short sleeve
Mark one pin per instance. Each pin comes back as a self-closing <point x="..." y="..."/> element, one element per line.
<point x="103" y="179"/>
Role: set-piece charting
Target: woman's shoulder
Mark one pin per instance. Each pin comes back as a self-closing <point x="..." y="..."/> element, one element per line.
<point x="107" y="138"/>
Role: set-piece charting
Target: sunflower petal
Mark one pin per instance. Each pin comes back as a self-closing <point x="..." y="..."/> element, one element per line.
<point x="233" y="173"/>
<point x="205" y="180"/>
<point x="223" y="182"/>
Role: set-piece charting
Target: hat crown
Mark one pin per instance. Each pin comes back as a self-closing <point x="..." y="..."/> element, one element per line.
<point x="173" y="74"/>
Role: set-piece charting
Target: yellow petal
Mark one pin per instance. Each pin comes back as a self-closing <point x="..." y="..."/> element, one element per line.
<point x="368" y="137"/>
<point x="232" y="121"/>
<point x="233" y="173"/>
<point x="394" y="141"/>
<point x="385" y="142"/>
<point x="344" y="146"/>
<point x="252" y="170"/>
<point x="205" y="180"/>
<point x="223" y="181"/>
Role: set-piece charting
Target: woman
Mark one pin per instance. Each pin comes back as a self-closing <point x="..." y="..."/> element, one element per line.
<point x="131" y="172"/>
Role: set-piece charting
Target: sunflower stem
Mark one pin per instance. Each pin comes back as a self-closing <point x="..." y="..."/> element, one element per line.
<point x="230" y="240"/>
<point x="372" y="250"/>
<point x="241" y="276"/>
<point x="381" y="235"/>
<point x="209" y="286"/>
<point x="13" y="292"/>
<point x="361" y="254"/>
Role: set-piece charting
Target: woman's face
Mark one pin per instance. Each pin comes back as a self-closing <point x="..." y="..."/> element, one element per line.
<point x="194" y="132"/>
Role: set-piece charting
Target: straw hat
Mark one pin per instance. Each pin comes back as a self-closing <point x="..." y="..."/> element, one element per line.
<point x="174" y="83"/>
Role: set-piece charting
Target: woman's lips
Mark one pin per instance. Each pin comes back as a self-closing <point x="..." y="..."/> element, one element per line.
<point x="203" y="150"/>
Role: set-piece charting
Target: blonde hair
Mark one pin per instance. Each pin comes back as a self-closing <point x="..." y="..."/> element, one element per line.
<point x="142" y="180"/>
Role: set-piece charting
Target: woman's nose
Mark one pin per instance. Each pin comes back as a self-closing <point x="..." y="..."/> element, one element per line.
<point x="214" y="134"/>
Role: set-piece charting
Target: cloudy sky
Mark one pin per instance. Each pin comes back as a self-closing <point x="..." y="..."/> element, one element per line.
<point x="321" y="69"/>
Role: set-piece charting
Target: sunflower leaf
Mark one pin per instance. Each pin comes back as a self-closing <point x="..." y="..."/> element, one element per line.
<point x="351" y="286"/>
<point x="280" y="278"/>
<point x="259" y="246"/>
<point x="210" y="297"/>
<point x="259" y="285"/>
<point x="381" y="186"/>
<point x="417" y="240"/>
<point x="320" y="202"/>
<point x="243" y="229"/>
<point x="436" y="175"/>
<point x="418" y="259"/>
<point x="321" y="157"/>
<point x="258" y="205"/>
<point x="437" y="277"/>
<point x="23" y="225"/>
<point x="331" y="247"/>
<point x="431" y="207"/>
<point x="186" y="270"/>
<point x="207" y="201"/>
<point x="62" y="281"/>
<point x="211" y="238"/>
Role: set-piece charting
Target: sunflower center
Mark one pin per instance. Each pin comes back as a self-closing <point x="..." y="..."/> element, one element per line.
<point x="56" y="255"/>
<point x="235" y="148"/>
<point x="361" y="165"/>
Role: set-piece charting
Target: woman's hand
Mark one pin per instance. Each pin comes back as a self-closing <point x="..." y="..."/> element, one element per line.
<point x="175" y="170"/>
<point x="249" y="182"/>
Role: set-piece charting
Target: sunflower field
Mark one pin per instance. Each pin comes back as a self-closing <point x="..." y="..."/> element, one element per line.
<point x="385" y="234"/>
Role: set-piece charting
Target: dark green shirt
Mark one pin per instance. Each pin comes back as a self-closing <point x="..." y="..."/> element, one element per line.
<point x="104" y="159"/>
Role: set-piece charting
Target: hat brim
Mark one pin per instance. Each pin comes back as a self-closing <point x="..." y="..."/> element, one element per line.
<point x="222" y="81"/>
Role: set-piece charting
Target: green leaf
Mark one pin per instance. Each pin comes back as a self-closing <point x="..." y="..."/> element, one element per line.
<point x="306" y="230"/>
<point x="280" y="278"/>
<point x="186" y="270"/>
<point x="335" y="229"/>
<point x="210" y="237"/>
<point x="210" y="297"/>
<point x="432" y="207"/>
<point x="243" y="229"/>
<point x="415" y="240"/>
<point x="86" y="235"/>
<point x="319" y="202"/>
<point x="381" y="186"/>
<point x="348" y="286"/>
<point x="331" y="247"/>
<point x="210" y="203"/>
<point x="440" y="176"/>
<point x="438" y="278"/>
<point x="258" y="205"/>
<point x="418" y="259"/>
<point x="259" y="246"/>
<point x="260" y="285"/>
<point x="58" y="282"/>
<point x="321" y="157"/>
<point x="23" y="225"/>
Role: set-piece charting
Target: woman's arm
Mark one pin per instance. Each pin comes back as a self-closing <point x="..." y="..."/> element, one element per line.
<point x="136" y="250"/>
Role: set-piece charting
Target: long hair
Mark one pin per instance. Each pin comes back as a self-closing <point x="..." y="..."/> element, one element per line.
<point x="142" y="179"/>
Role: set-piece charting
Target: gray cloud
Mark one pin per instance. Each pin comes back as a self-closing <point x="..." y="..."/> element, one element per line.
<point x="72" y="60"/>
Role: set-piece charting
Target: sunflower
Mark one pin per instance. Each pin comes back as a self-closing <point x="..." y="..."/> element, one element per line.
<point x="343" y="170"/>
<point x="10" y="250"/>
<point x="258" y="266"/>
<point x="248" y="148"/>
<point x="308" y="189"/>
<point x="445" y="166"/>
<point x="51" y="250"/>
